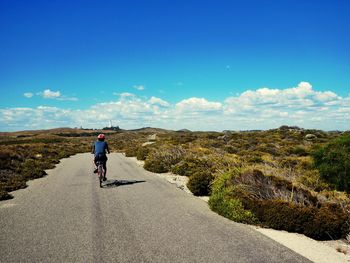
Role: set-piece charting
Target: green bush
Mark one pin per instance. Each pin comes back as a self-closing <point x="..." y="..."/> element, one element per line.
<point x="299" y="150"/>
<point x="276" y="203"/>
<point x="191" y="165"/>
<point x="155" y="166"/>
<point x="231" y="149"/>
<point x="13" y="183"/>
<point x="280" y="215"/>
<point x="224" y="204"/>
<point x="131" y="151"/>
<point x="333" y="162"/>
<point x="312" y="180"/>
<point x="328" y="222"/>
<point x="199" y="183"/>
<point x="142" y="153"/>
<point x="32" y="169"/>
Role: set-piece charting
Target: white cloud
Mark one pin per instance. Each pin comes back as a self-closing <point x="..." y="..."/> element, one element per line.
<point x="68" y="98"/>
<point x="198" y="104"/>
<point x="48" y="94"/>
<point x="126" y="94"/>
<point x="28" y="94"/>
<point x="41" y="117"/>
<point x="253" y="109"/>
<point x="301" y="105"/>
<point x="297" y="97"/>
<point x="139" y="87"/>
<point x="158" y="101"/>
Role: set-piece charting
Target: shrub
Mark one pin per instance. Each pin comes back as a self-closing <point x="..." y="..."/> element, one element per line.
<point x="14" y="183"/>
<point x="231" y="149"/>
<point x="161" y="160"/>
<point x="142" y="153"/>
<point x="181" y="138"/>
<point x="231" y="208"/>
<point x="5" y="159"/>
<point x="199" y="183"/>
<point x="312" y="180"/>
<point x="277" y="203"/>
<point x="254" y="159"/>
<point x="32" y="169"/>
<point x="131" y="151"/>
<point x="268" y="148"/>
<point x="328" y="222"/>
<point x="222" y="203"/>
<point x="299" y="150"/>
<point x="289" y="162"/>
<point x="306" y="163"/>
<point x="191" y="165"/>
<point x="333" y="162"/>
<point x="280" y="215"/>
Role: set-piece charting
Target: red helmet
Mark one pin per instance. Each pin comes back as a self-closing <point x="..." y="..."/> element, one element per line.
<point x="101" y="136"/>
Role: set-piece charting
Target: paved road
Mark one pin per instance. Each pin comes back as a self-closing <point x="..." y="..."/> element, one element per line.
<point x="66" y="217"/>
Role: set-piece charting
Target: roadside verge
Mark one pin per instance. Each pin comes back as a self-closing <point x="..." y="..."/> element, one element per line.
<point x="335" y="251"/>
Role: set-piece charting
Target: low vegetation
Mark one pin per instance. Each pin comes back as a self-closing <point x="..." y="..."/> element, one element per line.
<point x="28" y="159"/>
<point x="333" y="162"/>
<point x="275" y="178"/>
<point x="287" y="178"/>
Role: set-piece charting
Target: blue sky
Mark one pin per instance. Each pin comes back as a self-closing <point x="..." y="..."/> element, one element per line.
<point x="167" y="62"/>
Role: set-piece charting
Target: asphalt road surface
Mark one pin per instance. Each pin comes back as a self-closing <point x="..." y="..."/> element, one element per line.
<point x="137" y="217"/>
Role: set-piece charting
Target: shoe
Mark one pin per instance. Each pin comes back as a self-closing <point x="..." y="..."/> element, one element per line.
<point x="104" y="178"/>
<point x="95" y="171"/>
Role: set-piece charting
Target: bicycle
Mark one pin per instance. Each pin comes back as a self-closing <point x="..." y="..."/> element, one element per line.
<point x="100" y="171"/>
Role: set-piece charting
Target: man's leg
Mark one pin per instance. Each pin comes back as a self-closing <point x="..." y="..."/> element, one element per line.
<point x="105" y="168"/>
<point x="95" y="169"/>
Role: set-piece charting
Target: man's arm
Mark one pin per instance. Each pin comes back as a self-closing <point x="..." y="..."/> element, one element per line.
<point x="107" y="149"/>
<point x="93" y="148"/>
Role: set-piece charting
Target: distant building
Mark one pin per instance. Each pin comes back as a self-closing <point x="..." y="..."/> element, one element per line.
<point x="112" y="128"/>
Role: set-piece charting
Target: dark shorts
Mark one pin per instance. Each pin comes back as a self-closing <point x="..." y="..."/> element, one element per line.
<point x="100" y="157"/>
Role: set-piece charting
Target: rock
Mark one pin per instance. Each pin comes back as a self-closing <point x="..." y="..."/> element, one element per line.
<point x="310" y="137"/>
<point x="38" y="156"/>
<point x="225" y="137"/>
<point x="147" y="143"/>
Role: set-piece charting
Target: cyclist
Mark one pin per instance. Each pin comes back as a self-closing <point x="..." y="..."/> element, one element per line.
<point x="99" y="149"/>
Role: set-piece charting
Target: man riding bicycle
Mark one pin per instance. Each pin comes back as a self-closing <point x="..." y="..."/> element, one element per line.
<point x="99" y="149"/>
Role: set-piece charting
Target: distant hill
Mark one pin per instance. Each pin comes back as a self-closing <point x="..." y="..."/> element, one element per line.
<point x="150" y="130"/>
<point x="77" y="132"/>
<point x="183" y="130"/>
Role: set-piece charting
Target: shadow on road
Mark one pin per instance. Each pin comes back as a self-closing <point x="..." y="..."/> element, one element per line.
<point x="116" y="183"/>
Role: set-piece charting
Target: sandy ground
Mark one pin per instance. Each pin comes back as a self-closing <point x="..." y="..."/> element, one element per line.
<point x="317" y="251"/>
